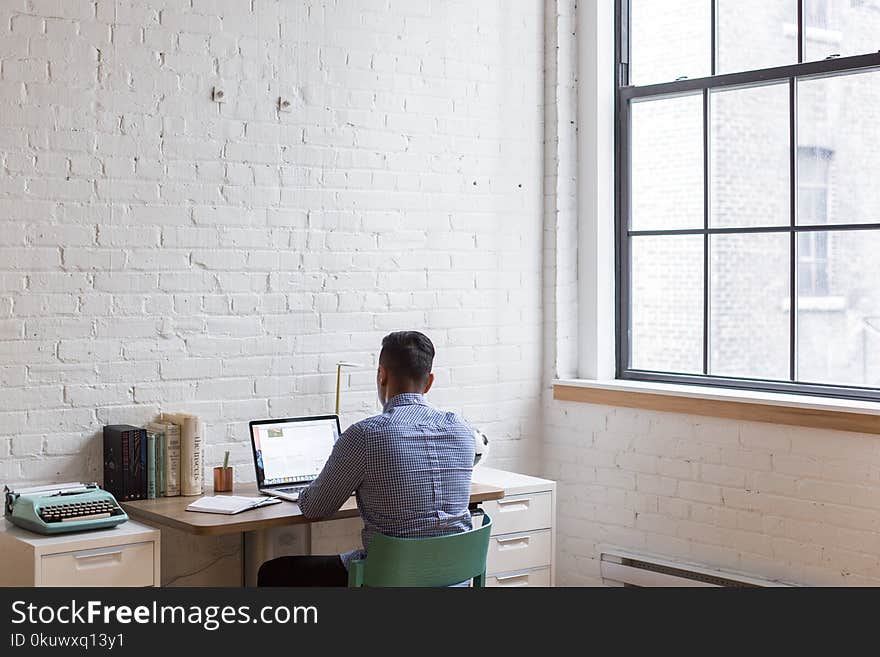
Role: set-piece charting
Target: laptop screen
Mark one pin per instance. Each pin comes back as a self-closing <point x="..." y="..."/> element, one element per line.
<point x="292" y="451"/>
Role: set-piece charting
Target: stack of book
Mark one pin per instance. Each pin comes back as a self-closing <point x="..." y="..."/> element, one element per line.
<point x="162" y="459"/>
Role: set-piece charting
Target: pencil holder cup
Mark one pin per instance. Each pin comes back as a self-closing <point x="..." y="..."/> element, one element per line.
<point x="223" y="479"/>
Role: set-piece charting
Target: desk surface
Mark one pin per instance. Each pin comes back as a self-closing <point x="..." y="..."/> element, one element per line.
<point x="171" y="512"/>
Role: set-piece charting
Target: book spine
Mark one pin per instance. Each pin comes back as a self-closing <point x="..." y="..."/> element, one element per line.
<point x="140" y="464"/>
<point x="199" y="457"/>
<point x="190" y="456"/>
<point x="172" y="460"/>
<point x="112" y="462"/>
<point x="125" y="447"/>
<point x="151" y="465"/>
<point x="160" y="464"/>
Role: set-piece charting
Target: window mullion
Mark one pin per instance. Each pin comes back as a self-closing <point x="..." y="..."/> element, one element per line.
<point x="793" y="172"/>
<point x="623" y="173"/>
<point x="623" y="46"/>
<point x="713" y="13"/>
<point x="800" y="30"/>
<point x="706" y="200"/>
<point x="763" y="77"/>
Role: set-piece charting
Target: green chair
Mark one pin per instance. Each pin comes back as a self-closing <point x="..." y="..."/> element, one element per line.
<point x="438" y="561"/>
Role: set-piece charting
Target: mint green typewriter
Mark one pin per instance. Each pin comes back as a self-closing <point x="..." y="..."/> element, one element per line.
<point x="61" y="508"/>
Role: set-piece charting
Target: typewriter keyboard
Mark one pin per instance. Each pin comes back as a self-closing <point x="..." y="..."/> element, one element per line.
<point x="78" y="511"/>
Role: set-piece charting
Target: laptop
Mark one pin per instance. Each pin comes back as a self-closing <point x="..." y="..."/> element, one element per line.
<point x="289" y="454"/>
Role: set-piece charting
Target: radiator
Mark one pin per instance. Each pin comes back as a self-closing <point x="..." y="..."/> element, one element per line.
<point x="629" y="569"/>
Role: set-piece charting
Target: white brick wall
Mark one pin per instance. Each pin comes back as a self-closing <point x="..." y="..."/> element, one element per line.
<point x="798" y="504"/>
<point x="159" y="251"/>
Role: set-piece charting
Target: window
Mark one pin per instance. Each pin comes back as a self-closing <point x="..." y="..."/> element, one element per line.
<point x="748" y="216"/>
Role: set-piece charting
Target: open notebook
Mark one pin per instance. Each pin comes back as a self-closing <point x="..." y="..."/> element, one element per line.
<point x="230" y="504"/>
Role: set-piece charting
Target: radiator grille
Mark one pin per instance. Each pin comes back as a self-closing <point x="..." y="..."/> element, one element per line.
<point x="622" y="568"/>
<point x="685" y="574"/>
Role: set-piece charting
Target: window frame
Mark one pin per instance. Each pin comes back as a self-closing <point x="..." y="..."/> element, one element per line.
<point x="624" y="94"/>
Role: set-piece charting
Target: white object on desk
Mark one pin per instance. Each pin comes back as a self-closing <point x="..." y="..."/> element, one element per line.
<point x="72" y="487"/>
<point x="523" y="541"/>
<point x="124" y="555"/>
<point x="230" y="504"/>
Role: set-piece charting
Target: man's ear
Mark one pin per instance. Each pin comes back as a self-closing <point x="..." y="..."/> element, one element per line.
<point x="382" y="376"/>
<point x="429" y="383"/>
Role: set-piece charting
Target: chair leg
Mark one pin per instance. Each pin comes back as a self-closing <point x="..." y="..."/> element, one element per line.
<point x="356" y="573"/>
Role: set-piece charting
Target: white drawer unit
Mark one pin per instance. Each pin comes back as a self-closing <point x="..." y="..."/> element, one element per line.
<point x="523" y="540"/>
<point x="125" y="555"/>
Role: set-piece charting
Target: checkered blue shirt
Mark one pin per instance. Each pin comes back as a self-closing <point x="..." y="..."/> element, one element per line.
<point x="410" y="468"/>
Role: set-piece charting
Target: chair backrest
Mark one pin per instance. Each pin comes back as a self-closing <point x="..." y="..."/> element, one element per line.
<point x="438" y="561"/>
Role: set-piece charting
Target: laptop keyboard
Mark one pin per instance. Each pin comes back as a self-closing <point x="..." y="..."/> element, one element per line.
<point x="291" y="489"/>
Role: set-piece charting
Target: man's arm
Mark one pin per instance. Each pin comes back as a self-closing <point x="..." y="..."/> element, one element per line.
<point x="342" y="474"/>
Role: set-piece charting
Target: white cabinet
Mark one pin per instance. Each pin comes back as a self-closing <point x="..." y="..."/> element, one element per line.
<point x="124" y="555"/>
<point x="523" y="541"/>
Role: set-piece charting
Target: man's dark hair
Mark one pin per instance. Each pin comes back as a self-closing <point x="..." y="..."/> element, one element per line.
<point x="408" y="356"/>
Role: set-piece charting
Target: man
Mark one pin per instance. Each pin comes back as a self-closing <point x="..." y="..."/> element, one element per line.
<point x="409" y="467"/>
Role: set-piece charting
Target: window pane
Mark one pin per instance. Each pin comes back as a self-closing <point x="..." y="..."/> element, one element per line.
<point x="667" y="303"/>
<point x="670" y="39"/>
<point x="839" y="332"/>
<point x="756" y="34"/>
<point x="750" y="157"/>
<point x="840" y="27"/>
<point x="667" y="163"/>
<point x="813" y="264"/>
<point x="838" y="158"/>
<point x="748" y="305"/>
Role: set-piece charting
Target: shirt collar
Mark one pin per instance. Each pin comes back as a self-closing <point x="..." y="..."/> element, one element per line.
<point x="405" y="399"/>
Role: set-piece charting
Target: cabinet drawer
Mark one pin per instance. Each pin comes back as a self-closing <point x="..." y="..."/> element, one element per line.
<point x="520" y="513"/>
<point x="519" y="551"/>
<point x="118" y="565"/>
<point x="533" y="577"/>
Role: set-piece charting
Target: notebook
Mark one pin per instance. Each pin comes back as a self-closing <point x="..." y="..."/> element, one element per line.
<point x="230" y="504"/>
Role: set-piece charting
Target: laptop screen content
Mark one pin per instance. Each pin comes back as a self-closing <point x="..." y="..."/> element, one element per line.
<point x="293" y="451"/>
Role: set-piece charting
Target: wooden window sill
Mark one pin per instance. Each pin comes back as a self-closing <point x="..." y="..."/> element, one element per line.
<point x="796" y="410"/>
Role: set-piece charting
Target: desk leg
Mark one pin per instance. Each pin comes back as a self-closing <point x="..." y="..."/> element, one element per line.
<point x="244" y="569"/>
<point x="262" y="545"/>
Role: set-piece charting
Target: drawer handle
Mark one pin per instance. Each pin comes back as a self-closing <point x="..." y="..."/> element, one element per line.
<point x="513" y="543"/>
<point x="518" y="577"/>
<point x="92" y="557"/>
<point x="516" y="504"/>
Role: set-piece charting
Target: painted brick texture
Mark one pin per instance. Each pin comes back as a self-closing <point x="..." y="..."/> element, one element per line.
<point x="795" y="504"/>
<point x="161" y="251"/>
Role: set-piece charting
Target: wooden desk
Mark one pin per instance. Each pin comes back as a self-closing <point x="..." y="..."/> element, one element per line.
<point x="171" y="512"/>
<point x="255" y="526"/>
